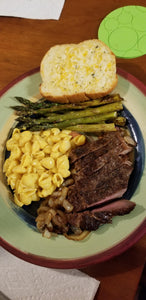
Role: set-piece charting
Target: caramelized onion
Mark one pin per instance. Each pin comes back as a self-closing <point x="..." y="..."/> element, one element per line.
<point x="76" y="237"/>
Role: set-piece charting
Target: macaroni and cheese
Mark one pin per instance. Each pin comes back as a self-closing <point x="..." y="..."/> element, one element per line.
<point x="38" y="162"/>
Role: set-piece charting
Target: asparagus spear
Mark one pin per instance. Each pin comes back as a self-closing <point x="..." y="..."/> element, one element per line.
<point x="81" y="127"/>
<point x="98" y="115"/>
<point x="120" y="121"/>
<point x="103" y="100"/>
<point x="61" y="107"/>
<point x="86" y="112"/>
<point x="45" y="108"/>
<point x="87" y="120"/>
<point x="20" y="108"/>
<point x="93" y="127"/>
<point x="79" y="114"/>
<point x="34" y="105"/>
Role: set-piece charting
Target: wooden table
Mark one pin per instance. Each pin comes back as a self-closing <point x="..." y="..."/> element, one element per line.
<point x="23" y="43"/>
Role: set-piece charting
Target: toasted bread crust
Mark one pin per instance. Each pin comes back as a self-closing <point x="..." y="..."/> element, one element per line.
<point x="77" y="98"/>
<point x="70" y="89"/>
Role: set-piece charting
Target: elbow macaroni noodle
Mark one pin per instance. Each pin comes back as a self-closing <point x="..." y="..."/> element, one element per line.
<point x="38" y="162"/>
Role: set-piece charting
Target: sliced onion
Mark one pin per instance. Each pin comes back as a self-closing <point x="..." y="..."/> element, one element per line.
<point x="129" y="140"/>
<point x="46" y="233"/>
<point x="76" y="237"/>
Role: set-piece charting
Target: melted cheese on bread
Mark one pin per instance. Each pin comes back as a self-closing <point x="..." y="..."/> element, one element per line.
<point x="77" y="72"/>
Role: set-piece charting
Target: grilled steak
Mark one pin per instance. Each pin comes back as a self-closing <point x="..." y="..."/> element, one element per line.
<point x="91" y="220"/>
<point x="109" y="141"/>
<point x="100" y="173"/>
<point x="103" y="178"/>
<point x="88" y="192"/>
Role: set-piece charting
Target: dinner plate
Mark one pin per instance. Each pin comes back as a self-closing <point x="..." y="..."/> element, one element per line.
<point x="18" y="233"/>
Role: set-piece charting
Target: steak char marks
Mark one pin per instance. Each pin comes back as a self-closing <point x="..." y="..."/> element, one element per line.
<point x="101" y="170"/>
<point x="91" y="220"/>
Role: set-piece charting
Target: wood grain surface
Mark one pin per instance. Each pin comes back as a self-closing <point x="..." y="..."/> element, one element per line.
<point x="23" y="42"/>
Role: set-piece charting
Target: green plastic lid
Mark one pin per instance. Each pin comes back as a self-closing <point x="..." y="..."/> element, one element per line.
<point x="124" y="31"/>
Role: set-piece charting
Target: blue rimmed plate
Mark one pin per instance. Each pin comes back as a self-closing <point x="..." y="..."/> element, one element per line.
<point x="17" y="232"/>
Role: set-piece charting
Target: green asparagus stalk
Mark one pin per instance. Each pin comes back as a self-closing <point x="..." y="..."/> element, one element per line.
<point x="42" y="108"/>
<point x="23" y="101"/>
<point x="93" y="113"/>
<point x="93" y="127"/>
<point x="34" y="105"/>
<point x="103" y="100"/>
<point x="87" y="120"/>
<point x="46" y="110"/>
<point x="117" y="106"/>
<point x="20" y="108"/>
<point x="61" y="107"/>
<point x="100" y="127"/>
<point x="120" y="121"/>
